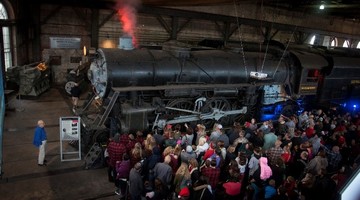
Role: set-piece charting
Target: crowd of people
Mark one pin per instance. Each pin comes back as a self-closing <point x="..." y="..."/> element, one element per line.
<point x="309" y="156"/>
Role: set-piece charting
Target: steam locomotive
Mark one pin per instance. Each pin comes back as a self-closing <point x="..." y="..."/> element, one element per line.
<point x="150" y="88"/>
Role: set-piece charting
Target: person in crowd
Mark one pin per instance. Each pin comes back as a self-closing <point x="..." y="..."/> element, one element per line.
<point x="136" y="185"/>
<point x="194" y="170"/>
<point x="131" y="143"/>
<point x="122" y="175"/>
<point x="171" y="141"/>
<point x="202" y="189"/>
<point x="281" y="126"/>
<point x="213" y="173"/>
<point x="139" y="137"/>
<point x="159" y="139"/>
<point x="116" y="149"/>
<point x="233" y="133"/>
<point x="290" y="186"/>
<point x="306" y="186"/>
<point x="317" y="163"/>
<point x="210" y="151"/>
<point x="275" y="152"/>
<point x="221" y="145"/>
<point x="257" y="139"/>
<point x="296" y="140"/>
<point x="149" y="144"/>
<point x="286" y="155"/>
<point x="260" y="177"/>
<point x="242" y="161"/>
<point x="315" y="143"/>
<point x="201" y="147"/>
<point x="182" y="178"/>
<point x="216" y="133"/>
<point x="254" y="161"/>
<point x="266" y="127"/>
<point x="217" y="156"/>
<point x="241" y="140"/>
<point x="303" y="120"/>
<point x="40" y="139"/>
<point x="269" y="140"/>
<point x="270" y="190"/>
<point x="233" y="171"/>
<point x="136" y="154"/>
<point x="187" y="139"/>
<point x="167" y="151"/>
<point x="175" y="158"/>
<point x="324" y="186"/>
<point x="278" y="171"/>
<point x="163" y="172"/>
<point x="297" y="169"/>
<point x="334" y="158"/>
<point x="230" y="155"/>
<point x="201" y="132"/>
<point x="224" y="138"/>
<point x="150" y="163"/>
<point x="160" y="191"/>
<point x="177" y="131"/>
<point x="290" y="125"/>
<point x="232" y="188"/>
<point x="187" y="154"/>
<point x="252" y="124"/>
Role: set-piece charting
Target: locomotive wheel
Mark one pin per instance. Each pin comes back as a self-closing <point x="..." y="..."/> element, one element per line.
<point x="181" y="104"/>
<point x="101" y="137"/>
<point x="217" y="103"/>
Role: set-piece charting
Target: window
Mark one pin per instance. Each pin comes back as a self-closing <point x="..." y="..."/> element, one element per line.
<point x="358" y="46"/>
<point x="334" y="42"/>
<point x="346" y="44"/>
<point x="6" y="38"/>
<point x="312" y="41"/>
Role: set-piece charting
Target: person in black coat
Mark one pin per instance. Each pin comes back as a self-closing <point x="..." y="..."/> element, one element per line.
<point x="201" y="190"/>
<point x="75" y="95"/>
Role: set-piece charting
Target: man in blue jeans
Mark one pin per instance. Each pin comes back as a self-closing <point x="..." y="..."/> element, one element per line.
<point x="40" y="141"/>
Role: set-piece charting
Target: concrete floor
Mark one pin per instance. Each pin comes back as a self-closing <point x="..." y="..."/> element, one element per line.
<point x="23" y="178"/>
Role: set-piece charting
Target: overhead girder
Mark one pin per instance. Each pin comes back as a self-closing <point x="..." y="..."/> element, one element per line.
<point x="161" y="11"/>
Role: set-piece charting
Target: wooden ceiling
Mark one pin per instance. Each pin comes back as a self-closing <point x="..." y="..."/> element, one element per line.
<point x="347" y="9"/>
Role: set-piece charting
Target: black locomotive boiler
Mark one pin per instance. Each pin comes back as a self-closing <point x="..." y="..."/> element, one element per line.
<point x="145" y="88"/>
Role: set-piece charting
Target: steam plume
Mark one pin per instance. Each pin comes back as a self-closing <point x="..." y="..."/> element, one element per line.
<point x="127" y="10"/>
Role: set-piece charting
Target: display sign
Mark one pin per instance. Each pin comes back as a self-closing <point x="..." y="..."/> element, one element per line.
<point x="70" y="133"/>
<point x="65" y="42"/>
<point x="70" y="128"/>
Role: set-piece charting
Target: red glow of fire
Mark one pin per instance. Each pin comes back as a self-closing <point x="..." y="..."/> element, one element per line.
<point x="127" y="16"/>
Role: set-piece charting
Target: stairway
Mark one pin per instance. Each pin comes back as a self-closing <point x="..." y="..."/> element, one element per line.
<point x="93" y="155"/>
<point x="110" y="102"/>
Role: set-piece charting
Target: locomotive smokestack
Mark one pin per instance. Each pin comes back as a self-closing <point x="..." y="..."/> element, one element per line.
<point x="126" y="43"/>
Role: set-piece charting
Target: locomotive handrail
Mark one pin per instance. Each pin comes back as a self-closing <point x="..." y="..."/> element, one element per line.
<point x="186" y="86"/>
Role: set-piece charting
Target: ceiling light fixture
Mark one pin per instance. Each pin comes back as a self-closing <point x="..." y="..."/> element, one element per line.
<point x="322" y="7"/>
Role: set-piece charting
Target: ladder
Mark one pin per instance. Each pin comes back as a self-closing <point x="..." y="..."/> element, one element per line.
<point x="93" y="155"/>
<point x="101" y="118"/>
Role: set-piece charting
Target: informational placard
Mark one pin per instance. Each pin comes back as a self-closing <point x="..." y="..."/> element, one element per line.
<point x="70" y="128"/>
<point x="70" y="134"/>
<point x="65" y="42"/>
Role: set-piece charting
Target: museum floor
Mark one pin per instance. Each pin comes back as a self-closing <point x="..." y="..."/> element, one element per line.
<point x="22" y="178"/>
